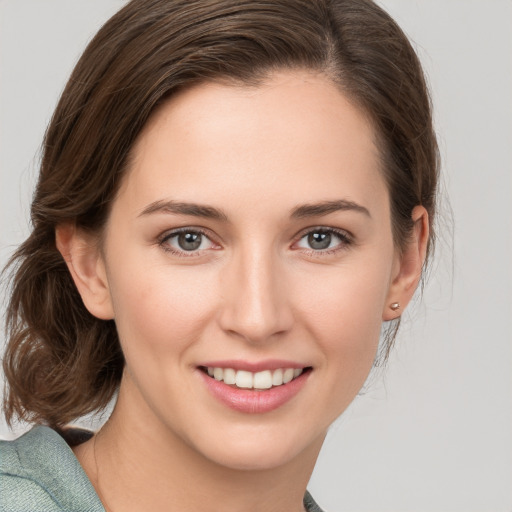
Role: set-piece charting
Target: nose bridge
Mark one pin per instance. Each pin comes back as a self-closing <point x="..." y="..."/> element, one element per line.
<point x="256" y="305"/>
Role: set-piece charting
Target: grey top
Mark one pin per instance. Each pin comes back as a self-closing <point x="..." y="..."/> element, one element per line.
<point x="40" y="473"/>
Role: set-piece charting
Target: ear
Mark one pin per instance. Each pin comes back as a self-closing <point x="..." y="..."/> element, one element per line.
<point x="408" y="267"/>
<point x="85" y="263"/>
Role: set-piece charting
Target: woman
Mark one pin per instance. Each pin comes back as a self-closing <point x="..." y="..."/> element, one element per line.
<point x="233" y="198"/>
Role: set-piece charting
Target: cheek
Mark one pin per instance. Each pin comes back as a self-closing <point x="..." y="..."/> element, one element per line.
<point x="345" y="321"/>
<point x="343" y="311"/>
<point x="159" y="311"/>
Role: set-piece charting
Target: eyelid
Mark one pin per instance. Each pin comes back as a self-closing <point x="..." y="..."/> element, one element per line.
<point x="347" y="239"/>
<point x="325" y="229"/>
<point x="170" y="233"/>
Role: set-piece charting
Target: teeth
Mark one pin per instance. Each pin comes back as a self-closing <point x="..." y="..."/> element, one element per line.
<point x="244" y="379"/>
<point x="263" y="380"/>
<point x="229" y="376"/>
<point x="287" y="375"/>
<point x="259" y="380"/>
<point x="277" y="377"/>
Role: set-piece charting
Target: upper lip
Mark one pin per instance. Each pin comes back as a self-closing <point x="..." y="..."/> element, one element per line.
<point x="253" y="366"/>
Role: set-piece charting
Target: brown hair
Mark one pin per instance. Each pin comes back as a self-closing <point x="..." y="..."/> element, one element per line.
<point x="61" y="362"/>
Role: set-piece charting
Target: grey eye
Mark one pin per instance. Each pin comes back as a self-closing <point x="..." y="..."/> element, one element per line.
<point x="189" y="241"/>
<point x="319" y="240"/>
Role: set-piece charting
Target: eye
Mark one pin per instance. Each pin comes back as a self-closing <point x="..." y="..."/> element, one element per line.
<point x="186" y="241"/>
<point x="323" y="239"/>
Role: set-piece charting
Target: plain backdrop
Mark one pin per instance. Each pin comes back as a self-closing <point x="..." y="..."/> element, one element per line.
<point x="433" y="431"/>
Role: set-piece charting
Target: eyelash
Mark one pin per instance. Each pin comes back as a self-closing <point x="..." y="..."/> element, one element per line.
<point x="164" y="239"/>
<point x="346" y="240"/>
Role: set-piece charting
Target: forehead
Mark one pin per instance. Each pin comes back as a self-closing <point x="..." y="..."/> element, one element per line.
<point x="292" y="137"/>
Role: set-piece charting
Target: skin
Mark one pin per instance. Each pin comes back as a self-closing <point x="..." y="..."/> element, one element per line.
<point x="255" y="290"/>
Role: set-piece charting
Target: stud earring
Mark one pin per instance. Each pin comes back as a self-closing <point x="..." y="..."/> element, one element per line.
<point x="394" y="306"/>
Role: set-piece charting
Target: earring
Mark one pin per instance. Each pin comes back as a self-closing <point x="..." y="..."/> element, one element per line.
<point x="394" y="306"/>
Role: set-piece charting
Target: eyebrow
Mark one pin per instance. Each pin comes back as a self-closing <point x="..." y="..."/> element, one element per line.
<point x="326" y="207"/>
<point x="180" y="208"/>
<point x="210" y="212"/>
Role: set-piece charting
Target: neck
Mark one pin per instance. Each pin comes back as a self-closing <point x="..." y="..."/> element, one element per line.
<point x="136" y="463"/>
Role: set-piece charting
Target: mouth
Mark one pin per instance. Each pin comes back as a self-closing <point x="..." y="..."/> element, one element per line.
<point x="257" y="381"/>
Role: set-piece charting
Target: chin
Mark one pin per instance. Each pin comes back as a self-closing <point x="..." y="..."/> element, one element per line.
<point x="259" y="450"/>
<point x="254" y="460"/>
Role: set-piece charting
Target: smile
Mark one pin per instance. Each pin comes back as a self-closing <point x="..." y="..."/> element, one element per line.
<point x="268" y="387"/>
<point x="261" y="380"/>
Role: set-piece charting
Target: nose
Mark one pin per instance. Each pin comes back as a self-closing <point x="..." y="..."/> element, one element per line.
<point x="256" y="305"/>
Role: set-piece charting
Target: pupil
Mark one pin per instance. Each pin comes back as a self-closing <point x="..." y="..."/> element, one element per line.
<point x="319" y="240"/>
<point x="189" y="241"/>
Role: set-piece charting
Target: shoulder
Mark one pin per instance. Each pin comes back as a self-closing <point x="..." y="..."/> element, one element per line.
<point x="310" y="504"/>
<point x="39" y="472"/>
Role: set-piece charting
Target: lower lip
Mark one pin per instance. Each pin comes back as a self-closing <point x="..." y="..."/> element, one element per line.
<point x="254" y="401"/>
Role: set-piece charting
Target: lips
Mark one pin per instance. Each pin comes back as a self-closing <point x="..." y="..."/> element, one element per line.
<point x="261" y="390"/>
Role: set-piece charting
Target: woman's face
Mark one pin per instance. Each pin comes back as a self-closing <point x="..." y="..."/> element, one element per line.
<point x="251" y="235"/>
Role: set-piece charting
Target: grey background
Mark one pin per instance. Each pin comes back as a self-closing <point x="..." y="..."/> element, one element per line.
<point x="433" y="432"/>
